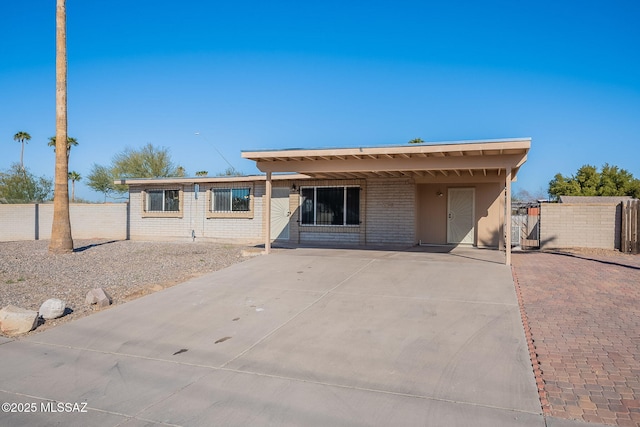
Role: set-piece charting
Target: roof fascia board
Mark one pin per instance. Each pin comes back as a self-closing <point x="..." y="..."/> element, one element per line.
<point x="523" y="144"/>
<point x="395" y="164"/>
<point x="204" y="179"/>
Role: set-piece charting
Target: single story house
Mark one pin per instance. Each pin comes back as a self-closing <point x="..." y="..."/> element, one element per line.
<point x="432" y="194"/>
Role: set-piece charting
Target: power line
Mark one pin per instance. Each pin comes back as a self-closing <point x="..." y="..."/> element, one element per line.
<point x="217" y="151"/>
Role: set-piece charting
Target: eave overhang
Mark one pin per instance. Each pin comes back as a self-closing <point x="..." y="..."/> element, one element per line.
<point x="459" y="159"/>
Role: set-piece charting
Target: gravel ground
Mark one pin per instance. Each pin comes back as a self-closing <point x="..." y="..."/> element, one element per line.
<point x="126" y="270"/>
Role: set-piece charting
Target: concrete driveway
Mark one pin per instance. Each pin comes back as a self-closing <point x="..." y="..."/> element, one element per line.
<point x="300" y="337"/>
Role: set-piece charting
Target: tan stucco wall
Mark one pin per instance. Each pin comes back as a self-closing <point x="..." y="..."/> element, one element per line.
<point x="489" y="214"/>
<point x="432" y="214"/>
<point x="431" y="224"/>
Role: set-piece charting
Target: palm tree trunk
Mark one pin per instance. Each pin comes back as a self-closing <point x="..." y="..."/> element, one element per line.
<point x="73" y="190"/>
<point x="61" y="241"/>
<point x="22" y="155"/>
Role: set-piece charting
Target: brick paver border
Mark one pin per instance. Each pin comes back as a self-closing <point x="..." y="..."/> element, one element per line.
<point x="535" y="364"/>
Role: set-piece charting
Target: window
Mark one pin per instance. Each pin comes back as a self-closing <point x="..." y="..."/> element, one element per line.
<point x="163" y="200"/>
<point x="330" y="206"/>
<point x="230" y="199"/>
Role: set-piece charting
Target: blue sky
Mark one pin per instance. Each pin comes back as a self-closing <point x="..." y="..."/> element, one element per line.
<point x="288" y="74"/>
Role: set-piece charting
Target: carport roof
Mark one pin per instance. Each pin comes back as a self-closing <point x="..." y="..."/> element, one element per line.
<point x="462" y="158"/>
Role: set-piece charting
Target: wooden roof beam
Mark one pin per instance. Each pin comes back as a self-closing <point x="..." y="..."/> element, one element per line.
<point x="397" y="164"/>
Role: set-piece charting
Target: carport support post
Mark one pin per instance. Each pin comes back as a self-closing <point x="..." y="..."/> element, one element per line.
<point x="507" y="218"/>
<point x="267" y="226"/>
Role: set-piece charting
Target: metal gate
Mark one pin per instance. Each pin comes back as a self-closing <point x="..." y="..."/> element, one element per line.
<point x="525" y="226"/>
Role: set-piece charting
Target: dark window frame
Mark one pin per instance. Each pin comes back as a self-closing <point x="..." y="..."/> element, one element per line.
<point x="332" y="206"/>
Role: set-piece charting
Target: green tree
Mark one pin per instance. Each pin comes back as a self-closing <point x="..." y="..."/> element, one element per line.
<point x="611" y="181"/>
<point x="147" y="162"/>
<point x="588" y="179"/>
<point x="202" y="173"/>
<point x="416" y="141"/>
<point x="614" y="181"/>
<point x="22" y="138"/>
<point x="61" y="240"/>
<point x="101" y="179"/>
<point x="18" y="185"/>
<point x="71" y="142"/>
<point x="73" y="177"/>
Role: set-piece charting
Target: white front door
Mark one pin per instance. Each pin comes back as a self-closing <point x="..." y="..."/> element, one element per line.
<point x="280" y="213"/>
<point x="460" y="215"/>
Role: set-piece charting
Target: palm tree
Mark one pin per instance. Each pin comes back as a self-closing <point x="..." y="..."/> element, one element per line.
<point x="71" y="141"/>
<point x="73" y="177"/>
<point x="22" y="137"/>
<point x="61" y="240"/>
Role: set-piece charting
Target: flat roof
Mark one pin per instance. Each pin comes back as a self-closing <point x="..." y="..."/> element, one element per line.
<point x="486" y="157"/>
<point x="205" y="179"/>
<point x="433" y="145"/>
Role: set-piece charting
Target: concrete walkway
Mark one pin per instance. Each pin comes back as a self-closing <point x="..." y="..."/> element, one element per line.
<point x="300" y="337"/>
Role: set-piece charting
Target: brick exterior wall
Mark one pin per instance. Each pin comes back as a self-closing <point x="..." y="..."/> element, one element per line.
<point x="388" y="215"/>
<point x="564" y="225"/>
<point x="194" y="217"/>
<point x="88" y="221"/>
<point x="391" y="211"/>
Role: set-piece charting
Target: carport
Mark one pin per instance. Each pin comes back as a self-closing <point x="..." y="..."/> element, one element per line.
<point x="454" y="166"/>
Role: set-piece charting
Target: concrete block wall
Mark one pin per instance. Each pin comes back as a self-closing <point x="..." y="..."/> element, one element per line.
<point x="18" y="222"/>
<point x="565" y="225"/>
<point x="162" y="228"/>
<point x="338" y="238"/>
<point x="391" y="211"/>
<point x="88" y="221"/>
<point x="247" y="230"/>
<point x="194" y="219"/>
<point x="96" y="221"/>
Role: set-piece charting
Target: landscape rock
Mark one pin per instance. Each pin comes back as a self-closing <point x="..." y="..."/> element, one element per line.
<point x="52" y="308"/>
<point x="15" y="320"/>
<point x="99" y="297"/>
